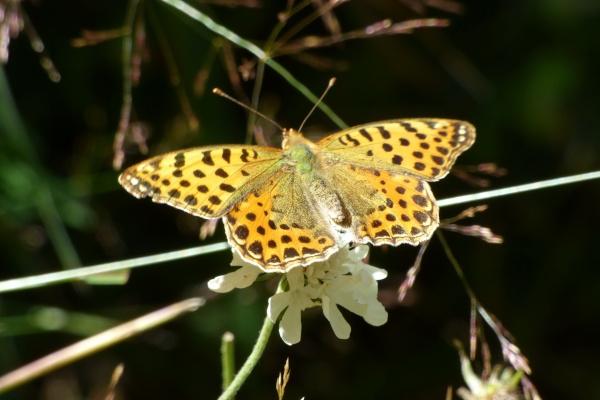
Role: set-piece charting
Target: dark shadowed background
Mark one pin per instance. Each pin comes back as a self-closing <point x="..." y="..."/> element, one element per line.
<point x="524" y="73"/>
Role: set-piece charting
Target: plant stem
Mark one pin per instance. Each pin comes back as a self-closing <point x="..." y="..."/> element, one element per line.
<point x="528" y="187"/>
<point x="251" y="361"/>
<point x="80" y="273"/>
<point x="227" y="359"/>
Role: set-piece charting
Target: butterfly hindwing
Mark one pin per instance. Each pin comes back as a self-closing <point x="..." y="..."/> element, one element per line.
<point x="278" y="226"/>
<point x="386" y="208"/>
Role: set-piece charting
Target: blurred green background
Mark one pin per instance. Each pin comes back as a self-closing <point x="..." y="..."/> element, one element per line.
<point x="525" y="73"/>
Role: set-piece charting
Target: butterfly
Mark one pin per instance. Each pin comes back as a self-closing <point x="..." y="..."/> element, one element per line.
<point x="297" y="205"/>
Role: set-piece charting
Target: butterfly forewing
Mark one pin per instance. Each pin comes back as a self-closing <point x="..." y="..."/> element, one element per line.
<point x="424" y="148"/>
<point x="204" y="181"/>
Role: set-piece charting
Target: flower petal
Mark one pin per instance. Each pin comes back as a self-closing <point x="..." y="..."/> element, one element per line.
<point x="360" y="252"/>
<point x="277" y="303"/>
<point x="290" y="326"/>
<point x="238" y="279"/>
<point x="340" y="326"/>
<point x="375" y="314"/>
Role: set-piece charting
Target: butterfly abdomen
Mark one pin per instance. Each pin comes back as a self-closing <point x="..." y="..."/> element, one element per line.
<point x="330" y="202"/>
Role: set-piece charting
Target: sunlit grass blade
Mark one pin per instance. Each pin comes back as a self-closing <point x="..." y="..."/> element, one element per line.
<point x="85" y="272"/>
<point x="81" y="273"/>
<point x="120" y="277"/>
<point x="528" y="187"/>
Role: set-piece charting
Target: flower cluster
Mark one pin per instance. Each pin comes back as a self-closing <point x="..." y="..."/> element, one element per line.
<point x="500" y="384"/>
<point x="342" y="280"/>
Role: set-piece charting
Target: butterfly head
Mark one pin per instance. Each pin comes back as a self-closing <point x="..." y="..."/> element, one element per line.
<point x="298" y="150"/>
<point x="292" y="137"/>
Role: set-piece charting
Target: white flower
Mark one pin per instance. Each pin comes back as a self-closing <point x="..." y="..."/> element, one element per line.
<point x="502" y="383"/>
<point x="239" y="279"/>
<point x="342" y="280"/>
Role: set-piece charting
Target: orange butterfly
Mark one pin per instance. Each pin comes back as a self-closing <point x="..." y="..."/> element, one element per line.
<point x="293" y="206"/>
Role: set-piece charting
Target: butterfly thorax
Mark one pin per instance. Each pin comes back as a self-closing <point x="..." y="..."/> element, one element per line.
<point x="299" y="152"/>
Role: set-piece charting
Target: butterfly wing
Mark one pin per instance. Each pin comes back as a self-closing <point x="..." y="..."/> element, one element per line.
<point x="386" y="208"/>
<point x="278" y="226"/>
<point x="204" y="181"/>
<point x="425" y="148"/>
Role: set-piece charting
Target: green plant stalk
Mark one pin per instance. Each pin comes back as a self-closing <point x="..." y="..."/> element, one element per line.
<point x="220" y="30"/>
<point x="79" y="273"/>
<point x="254" y="357"/>
<point x="251" y="361"/>
<point x="528" y="187"/>
<point x="96" y="343"/>
<point x="227" y="359"/>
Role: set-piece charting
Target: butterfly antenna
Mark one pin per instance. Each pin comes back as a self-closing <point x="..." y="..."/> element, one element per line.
<point x="329" y="86"/>
<point x="221" y="93"/>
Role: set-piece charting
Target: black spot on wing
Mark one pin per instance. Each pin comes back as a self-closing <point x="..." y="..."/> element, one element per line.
<point x="366" y="134"/>
<point x="408" y="127"/>
<point x="207" y="158"/>
<point x="384" y="132"/>
<point x="226" y="155"/>
<point x="352" y="140"/>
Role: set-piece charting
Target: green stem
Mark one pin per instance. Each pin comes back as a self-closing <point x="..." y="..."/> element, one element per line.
<point x="233" y="37"/>
<point x="227" y="359"/>
<point x="528" y="187"/>
<point x="80" y="273"/>
<point x="251" y="361"/>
